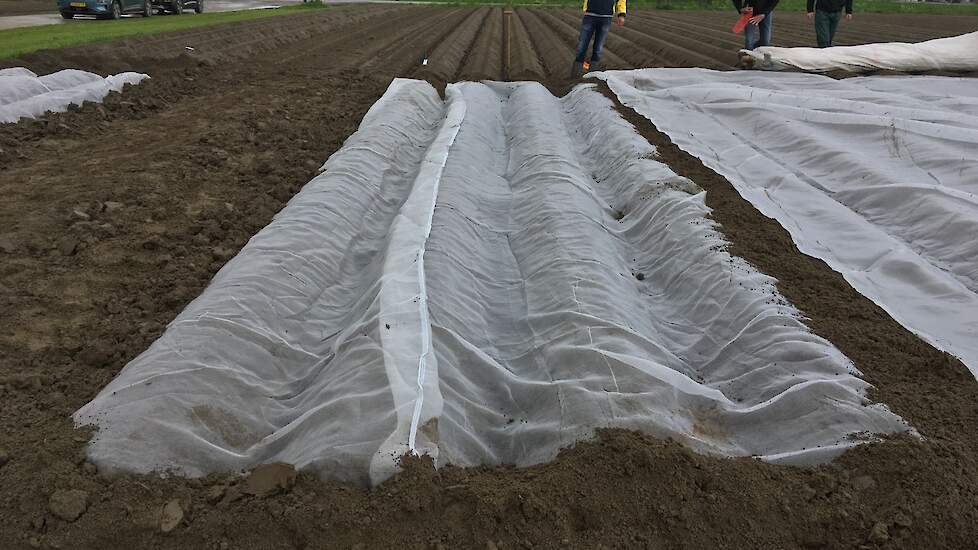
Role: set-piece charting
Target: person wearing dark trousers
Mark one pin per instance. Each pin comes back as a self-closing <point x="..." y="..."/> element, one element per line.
<point x="826" y="14"/>
<point x="598" y="15"/>
<point x="761" y="24"/>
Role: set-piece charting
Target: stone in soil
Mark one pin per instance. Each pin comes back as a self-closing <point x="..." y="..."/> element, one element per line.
<point x="269" y="479"/>
<point x="879" y="533"/>
<point x="68" y="246"/>
<point x="170" y="516"/>
<point x="215" y="493"/>
<point x="68" y="505"/>
<point x="7" y="244"/>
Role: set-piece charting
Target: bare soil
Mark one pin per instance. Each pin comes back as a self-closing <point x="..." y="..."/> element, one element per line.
<point x="114" y="216"/>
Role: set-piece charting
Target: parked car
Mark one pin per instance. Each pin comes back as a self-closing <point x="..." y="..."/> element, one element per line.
<point x="177" y="6"/>
<point x="104" y="9"/>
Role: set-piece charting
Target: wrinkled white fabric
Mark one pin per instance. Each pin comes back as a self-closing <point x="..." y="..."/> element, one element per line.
<point x="952" y="54"/>
<point x="23" y="94"/>
<point x="878" y="176"/>
<point x="462" y="280"/>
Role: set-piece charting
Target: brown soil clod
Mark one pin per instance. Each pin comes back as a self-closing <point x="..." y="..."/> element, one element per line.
<point x="171" y="516"/>
<point x="269" y="479"/>
<point x="69" y="505"/>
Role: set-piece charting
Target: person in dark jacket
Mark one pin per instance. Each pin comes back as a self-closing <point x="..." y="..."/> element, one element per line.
<point x="826" y="14"/>
<point x="596" y="23"/>
<point x="758" y="32"/>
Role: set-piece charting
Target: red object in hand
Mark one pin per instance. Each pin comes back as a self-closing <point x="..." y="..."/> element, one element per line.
<point x="741" y="23"/>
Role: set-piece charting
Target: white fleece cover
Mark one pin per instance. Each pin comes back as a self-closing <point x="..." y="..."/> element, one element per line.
<point x="875" y="175"/>
<point x="23" y="94"/>
<point x="461" y="281"/>
<point x="953" y="54"/>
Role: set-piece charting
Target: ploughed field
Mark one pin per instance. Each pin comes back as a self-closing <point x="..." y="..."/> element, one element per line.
<point x="471" y="43"/>
<point x="115" y="216"/>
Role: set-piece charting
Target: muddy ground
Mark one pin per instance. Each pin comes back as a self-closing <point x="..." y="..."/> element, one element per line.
<point x="113" y="217"/>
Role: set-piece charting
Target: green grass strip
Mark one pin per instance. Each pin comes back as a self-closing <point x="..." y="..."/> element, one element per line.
<point x="15" y="42"/>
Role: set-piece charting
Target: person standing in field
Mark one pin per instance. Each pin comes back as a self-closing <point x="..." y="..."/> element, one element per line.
<point x="760" y="25"/>
<point x="826" y="14"/>
<point x="598" y="15"/>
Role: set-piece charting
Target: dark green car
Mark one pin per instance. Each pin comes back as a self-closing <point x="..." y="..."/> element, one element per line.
<point x="114" y="9"/>
<point x="104" y="9"/>
<point x="177" y="6"/>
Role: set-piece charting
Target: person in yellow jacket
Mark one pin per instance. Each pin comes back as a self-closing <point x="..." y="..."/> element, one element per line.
<point x="598" y="15"/>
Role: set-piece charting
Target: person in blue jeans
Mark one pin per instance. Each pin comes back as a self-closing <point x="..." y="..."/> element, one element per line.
<point x="598" y="15"/>
<point x="826" y="14"/>
<point x="758" y="31"/>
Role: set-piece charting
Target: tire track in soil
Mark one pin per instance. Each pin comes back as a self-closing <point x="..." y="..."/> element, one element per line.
<point x="858" y="31"/>
<point x="205" y="36"/>
<point x="400" y="49"/>
<point x="793" y="30"/>
<point x="484" y="59"/>
<point x="630" y="53"/>
<point x="698" y="54"/>
<point x="719" y="47"/>
<point x="568" y="34"/>
<point x="212" y="44"/>
<point x="346" y="61"/>
<point x="526" y="64"/>
<point x="701" y="34"/>
<point x="449" y="53"/>
<point x="937" y="24"/>
<point x="800" y="34"/>
<point x="185" y="76"/>
<point x="681" y="30"/>
<point x="394" y="49"/>
<point x="622" y="52"/>
<point x="405" y="54"/>
<point x="868" y="27"/>
<point x="247" y="44"/>
<point x="470" y="53"/>
<point x="554" y="54"/>
<point x="658" y="51"/>
<point x="175" y="79"/>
